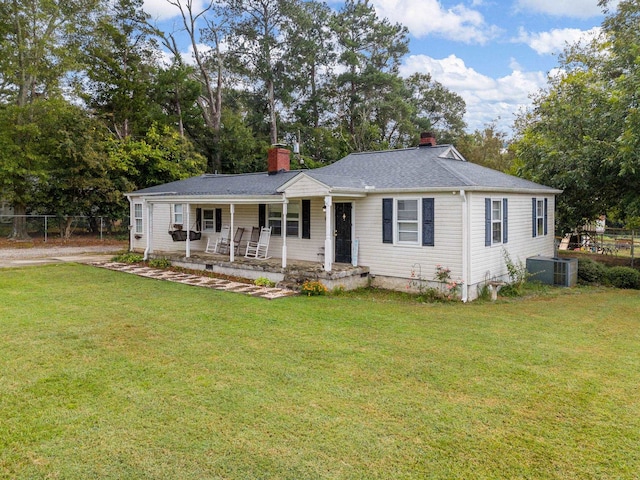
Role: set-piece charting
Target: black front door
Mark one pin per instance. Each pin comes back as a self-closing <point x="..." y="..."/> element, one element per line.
<point x="343" y="232"/>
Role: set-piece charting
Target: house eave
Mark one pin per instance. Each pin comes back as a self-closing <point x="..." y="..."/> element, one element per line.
<point x="213" y="199"/>
<point x="466" y="188"/>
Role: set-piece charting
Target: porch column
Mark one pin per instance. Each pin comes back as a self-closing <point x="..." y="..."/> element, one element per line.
<point x="328" y="239"/>
<point x="149" y="245"/>
<point x="283" y="229"/>
<point x="232" y="253"/>
<point x="187" y="252"/>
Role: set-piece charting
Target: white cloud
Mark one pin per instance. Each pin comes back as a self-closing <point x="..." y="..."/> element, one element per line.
<point x="428" y="17"/>
<point x="161" y="10"/>
<point x="554" y="41"/>
<point x="562" y="8"/>
<point x="487" y="99"/>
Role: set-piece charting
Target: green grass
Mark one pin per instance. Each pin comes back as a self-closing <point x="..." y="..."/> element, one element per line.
<point x="109" y="375"/>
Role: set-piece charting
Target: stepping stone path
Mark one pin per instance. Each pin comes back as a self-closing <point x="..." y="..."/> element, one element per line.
<point x="269" y="293"/>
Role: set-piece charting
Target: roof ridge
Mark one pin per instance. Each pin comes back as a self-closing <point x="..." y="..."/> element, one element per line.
<point x="443" y="162"/>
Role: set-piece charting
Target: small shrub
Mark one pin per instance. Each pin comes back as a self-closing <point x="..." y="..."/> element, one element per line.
<point x="264" y="282"/>
<point x="160" y="263"/>
<point x="624" y="277"/>
<point x="338" y="291"/>
<point x="591" y="272"/>
<point x="312" y="288"/>
<point x="128" y="257"/>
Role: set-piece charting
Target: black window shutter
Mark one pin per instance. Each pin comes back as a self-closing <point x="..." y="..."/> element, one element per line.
<point x="218" y="219"/>
<point x="487" y="222"/>
<point x="534" y="220"/>
<point x="505" y="220"/>
<point x="306" y="218"/>
<point x="387" y="220"/>
<point x="546" y="205"/>
<point x="198" y="219"/>
<point x="262" y="215"/>
<point x="428" y="227"/>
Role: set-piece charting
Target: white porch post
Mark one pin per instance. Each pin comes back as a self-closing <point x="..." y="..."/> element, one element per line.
<point x="328" y="239"/>
<point x="187" y="252"/>
<point x="283" y="229"/>
<point x="149" y="245"/>
<point x="232" y="253"/>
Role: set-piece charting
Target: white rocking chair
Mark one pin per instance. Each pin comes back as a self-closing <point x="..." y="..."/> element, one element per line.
<point x="259" y="249"/>
<point x="214" y="245"/>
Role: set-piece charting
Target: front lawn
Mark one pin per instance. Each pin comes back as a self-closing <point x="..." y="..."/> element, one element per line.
<point x="109" y="375"/>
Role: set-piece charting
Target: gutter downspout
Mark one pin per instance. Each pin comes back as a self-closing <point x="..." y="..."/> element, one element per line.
<point x="466" y="267"/>
<point x="149" y="209"/>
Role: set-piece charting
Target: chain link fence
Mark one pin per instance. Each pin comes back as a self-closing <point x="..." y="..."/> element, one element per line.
<point x="52" y="226"/>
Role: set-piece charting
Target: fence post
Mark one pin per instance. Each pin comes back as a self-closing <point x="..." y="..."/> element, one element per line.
<point x="100" y="228"/>
<point x="45" y="229"/>
<point x="633" y="241"/>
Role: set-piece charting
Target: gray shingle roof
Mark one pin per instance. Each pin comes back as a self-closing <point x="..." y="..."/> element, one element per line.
<point x="411" y="168"/>
<point x="248" y="184"/>
<point x="420" y="167"/>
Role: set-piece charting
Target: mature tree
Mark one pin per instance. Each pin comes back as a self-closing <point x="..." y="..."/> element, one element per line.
<point x="77" y="180"/>
<point x="437" y="108"/>
<point x="161" y="156"/>
<point x="23" y="163"/>
<point x="311" y="55"/>
<point x="39" y="42"/>
<point x="258" y="51"/>
<point x="121" y="68"/>
<point x="206" y="30"/>
<point x="486" y="147"/>
<point x="582" y="134"/>
<point x="369" y="89"/>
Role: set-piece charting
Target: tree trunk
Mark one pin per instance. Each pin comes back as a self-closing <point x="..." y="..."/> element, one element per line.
<point x="19" y="232"/>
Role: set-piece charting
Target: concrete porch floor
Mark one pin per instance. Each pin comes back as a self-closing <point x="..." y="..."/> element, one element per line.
<point x="297" y="272"/>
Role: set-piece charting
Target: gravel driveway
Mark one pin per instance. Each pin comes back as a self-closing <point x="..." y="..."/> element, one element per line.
<point x="32" y="256"/>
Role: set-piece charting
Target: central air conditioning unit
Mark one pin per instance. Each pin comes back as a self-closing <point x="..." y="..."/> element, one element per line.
<point x="562" y="272"/>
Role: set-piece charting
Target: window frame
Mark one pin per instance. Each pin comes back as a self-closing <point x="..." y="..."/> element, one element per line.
<point x="175" y="213"/>
<point x="208" y="221"/>
<point x="404" y="221"/>
<point x="497" y="222"/>
<point x="138" y="218"/>
<point x="540" y="217"/>
<point x="274" y="215"/>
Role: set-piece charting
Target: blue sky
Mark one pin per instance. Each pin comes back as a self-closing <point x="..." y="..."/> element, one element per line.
<point x="494" y="53"/>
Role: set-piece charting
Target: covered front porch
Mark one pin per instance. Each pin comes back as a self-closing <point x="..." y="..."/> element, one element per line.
<point x="292" y="275"/>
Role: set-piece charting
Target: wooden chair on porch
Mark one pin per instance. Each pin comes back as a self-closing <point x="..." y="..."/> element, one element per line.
<point x="213" y="245"/>
<point x="259" y="249"/>
<point x="225" y="248"/>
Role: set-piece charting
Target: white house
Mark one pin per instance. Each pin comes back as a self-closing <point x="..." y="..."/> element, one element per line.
<point x="399" y="213"/>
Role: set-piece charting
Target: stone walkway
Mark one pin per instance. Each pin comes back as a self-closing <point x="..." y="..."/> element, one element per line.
<point x="269" y="293"/>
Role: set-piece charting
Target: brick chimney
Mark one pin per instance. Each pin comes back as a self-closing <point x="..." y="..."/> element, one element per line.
<point x="427" y="139"/>
<point x="278" y="160"/>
